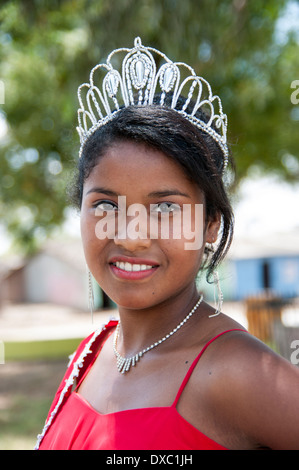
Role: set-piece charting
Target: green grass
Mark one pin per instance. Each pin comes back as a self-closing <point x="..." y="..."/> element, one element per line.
<point x="40" y="350"/>
<point x="25" y="400"/>
<point x="21" y="421"/>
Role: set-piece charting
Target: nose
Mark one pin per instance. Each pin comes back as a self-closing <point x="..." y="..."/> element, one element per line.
<point x="132" y="231"/>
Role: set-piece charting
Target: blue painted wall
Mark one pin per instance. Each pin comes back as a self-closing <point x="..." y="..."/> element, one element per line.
<point x="249" y="278"/>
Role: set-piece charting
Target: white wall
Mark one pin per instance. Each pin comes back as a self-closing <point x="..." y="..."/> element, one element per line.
<point x="47" y="279"/>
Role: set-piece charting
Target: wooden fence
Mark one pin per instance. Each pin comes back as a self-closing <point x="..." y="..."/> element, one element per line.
<point x="264" y="316"/>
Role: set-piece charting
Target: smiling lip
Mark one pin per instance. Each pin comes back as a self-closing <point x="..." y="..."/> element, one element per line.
<point x="132" y="268"/>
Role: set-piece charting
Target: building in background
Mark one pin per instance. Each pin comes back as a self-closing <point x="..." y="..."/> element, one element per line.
<point x="270" y="263"/>
<point x="57" y="274"/>
<point x="254" y="265"/>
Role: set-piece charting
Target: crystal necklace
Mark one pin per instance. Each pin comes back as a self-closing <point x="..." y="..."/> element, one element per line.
<point x="124" y="364"/>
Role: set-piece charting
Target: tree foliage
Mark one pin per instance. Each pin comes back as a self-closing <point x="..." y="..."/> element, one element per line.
<point x="47" y="48"/>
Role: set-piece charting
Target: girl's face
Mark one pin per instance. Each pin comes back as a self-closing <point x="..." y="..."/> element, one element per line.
<point x="140" y="255"/>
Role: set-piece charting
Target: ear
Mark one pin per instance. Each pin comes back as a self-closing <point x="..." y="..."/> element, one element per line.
<point x="212" y="228"/>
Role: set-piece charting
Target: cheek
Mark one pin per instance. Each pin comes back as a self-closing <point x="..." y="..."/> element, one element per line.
<point x="86" y="227"/>
<point x="180" y="259"/>
<point x="187" y="225"/>
<point x="89" y="240"/>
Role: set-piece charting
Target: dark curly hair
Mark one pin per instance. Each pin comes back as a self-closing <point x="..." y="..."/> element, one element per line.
<point x="165" y="129"/>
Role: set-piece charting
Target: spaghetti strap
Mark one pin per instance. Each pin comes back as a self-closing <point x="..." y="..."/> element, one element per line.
<point x="191" y="368"/>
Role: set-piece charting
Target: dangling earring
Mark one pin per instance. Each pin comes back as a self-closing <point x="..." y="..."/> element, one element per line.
<point x="90" y="295"/>
<point x="218" y="295"/>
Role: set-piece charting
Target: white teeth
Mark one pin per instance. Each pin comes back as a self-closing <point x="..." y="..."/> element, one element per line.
<point x="132" y="267"/>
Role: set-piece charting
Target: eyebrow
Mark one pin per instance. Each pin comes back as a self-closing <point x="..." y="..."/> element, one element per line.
<point x="106" y="191"/>
<point x="168" y="192"/>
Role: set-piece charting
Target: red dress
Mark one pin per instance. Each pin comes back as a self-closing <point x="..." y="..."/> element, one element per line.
<point x="73" y="424"/>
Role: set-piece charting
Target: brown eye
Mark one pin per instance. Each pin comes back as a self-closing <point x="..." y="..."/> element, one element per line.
<point x="166" y="207"/>
<point x="105" y="206"/>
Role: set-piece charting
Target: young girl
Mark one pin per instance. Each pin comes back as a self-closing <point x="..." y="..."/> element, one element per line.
<point x="173" y="373"/>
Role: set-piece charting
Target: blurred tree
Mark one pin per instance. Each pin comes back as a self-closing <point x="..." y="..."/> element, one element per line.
<point x="47" y="48"/>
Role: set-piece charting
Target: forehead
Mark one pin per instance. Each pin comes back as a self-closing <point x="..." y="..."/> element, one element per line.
<point x="137" y="171"/>
<point x="137" y="163"/>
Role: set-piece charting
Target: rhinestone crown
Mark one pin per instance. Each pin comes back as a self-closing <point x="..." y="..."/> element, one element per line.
<point x="138" y="83"/>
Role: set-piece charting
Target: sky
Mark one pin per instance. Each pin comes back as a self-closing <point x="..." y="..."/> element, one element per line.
<point x="266" y="205"/>
<point x="288" y="21"/>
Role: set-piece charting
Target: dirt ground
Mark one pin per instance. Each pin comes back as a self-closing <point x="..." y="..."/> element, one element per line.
<point x="33" y="379"/>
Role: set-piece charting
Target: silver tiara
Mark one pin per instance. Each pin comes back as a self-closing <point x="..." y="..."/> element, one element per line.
<point x="138" y="83"/>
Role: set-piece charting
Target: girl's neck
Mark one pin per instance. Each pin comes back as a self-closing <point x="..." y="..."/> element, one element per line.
<point x="141" y="327"/>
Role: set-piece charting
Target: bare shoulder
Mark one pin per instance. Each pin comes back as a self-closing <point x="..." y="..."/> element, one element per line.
<point x="255" y="390"/>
